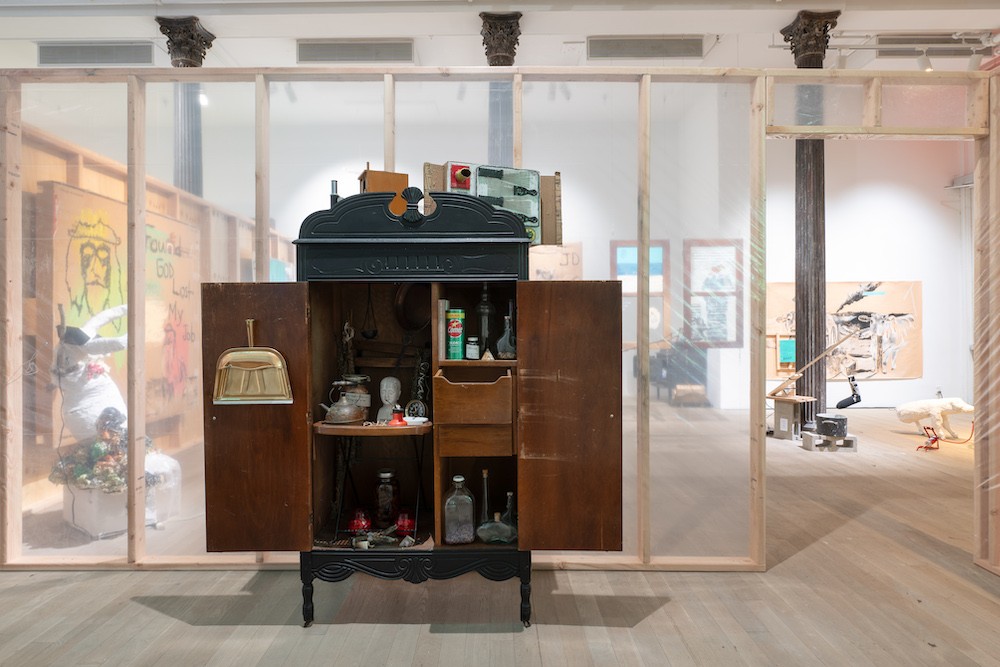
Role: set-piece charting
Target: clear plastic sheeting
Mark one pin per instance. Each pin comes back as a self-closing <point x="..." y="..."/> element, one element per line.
<point x="200" y="139"/>
<point x="599" y="214"/>
<point x="199" y="225"/>
<point x="814" y="104"/>
<point x="877" y="103"/>
<point x="925" y="106"/>
<point x="74" y="469"/>
<point x="218" y="158"/>
<point x="322" y="132"/>
<point x="699" y="356"/>
<point x="449" y="121"/>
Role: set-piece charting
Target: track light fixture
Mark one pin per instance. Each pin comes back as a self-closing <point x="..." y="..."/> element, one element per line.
<point x="924" y="63"/>
<point x="841" y="59"/>
<point x="975" y="61"/>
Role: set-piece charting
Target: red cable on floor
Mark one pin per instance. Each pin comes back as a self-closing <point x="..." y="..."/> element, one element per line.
<point x="933" y="438"/>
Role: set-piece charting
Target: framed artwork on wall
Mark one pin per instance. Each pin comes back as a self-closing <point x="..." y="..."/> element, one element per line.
<point x="625" y="267"/>
<point x="713" y="292"/>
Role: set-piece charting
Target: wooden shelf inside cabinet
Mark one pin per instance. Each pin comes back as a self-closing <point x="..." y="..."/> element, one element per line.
<point x="371" y="431"/>
<point x="477" y="363"/>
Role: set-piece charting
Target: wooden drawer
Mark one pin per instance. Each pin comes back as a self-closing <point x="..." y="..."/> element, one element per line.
<point x="473" y="402"/>
<point x="474" y="439"/>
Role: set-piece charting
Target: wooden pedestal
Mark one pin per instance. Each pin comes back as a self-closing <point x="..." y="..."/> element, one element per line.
<point x="788" y="416"/>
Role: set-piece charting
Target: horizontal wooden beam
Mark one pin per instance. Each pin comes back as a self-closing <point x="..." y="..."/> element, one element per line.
<point x="543" y="561"/>
<point x="534" y="73"/>
<point x="845" y="132"/>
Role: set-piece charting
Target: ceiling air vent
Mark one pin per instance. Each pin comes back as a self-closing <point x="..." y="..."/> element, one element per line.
<point x="96" y="54"/>
<point x="355" y="51"/>
<point x="935" y="44"/>
<point x="654" y="46"/>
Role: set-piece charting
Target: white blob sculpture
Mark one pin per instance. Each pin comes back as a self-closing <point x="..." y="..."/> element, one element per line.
<point x="936" y="410"/>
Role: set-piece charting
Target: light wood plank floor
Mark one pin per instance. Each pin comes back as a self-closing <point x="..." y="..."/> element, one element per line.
<point x="869" y="564"/>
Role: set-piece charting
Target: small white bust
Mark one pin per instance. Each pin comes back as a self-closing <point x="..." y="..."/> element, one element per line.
<point x="389" y="390"/>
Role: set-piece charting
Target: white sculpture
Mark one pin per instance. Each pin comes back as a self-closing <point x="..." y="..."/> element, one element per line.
<point x="83" y="378"/>
<point x="936" y="410"/>
<point x="389" y="389"/>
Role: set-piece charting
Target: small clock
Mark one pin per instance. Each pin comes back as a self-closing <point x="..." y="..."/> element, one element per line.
<point x="415" y="408"/>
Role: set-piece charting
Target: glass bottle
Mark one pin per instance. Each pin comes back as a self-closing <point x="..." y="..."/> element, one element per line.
<point x="386" y="498"/>
<point x="506" y="345"/>
<point x="508" y="516"/>
<point x="459" y="513"/>
<point x="485" y="311"/>
<point x="496" y="531"/>
<point x="484" y="508"/>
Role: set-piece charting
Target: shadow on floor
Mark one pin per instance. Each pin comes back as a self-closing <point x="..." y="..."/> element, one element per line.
<point x="465" y="604"/>
<point x="48" y="530"/>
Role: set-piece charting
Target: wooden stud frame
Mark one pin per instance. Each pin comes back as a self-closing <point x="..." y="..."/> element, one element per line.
<point x="986" y="342"/>
<point x="982" y="116"/>
<point x="11" y="309"/>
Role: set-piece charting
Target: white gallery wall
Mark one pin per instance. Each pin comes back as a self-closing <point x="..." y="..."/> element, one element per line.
<point x="891" y="215"/>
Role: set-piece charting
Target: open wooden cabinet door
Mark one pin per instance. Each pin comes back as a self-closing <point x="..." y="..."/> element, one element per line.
<point x="569" y="438"/>
<point x="258" y="455"/>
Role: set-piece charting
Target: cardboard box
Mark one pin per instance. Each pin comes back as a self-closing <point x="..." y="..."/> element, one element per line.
<point x="556" y="262"/>
<point x="386" y="181"/>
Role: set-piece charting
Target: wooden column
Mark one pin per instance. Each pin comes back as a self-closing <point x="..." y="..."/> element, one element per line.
<point x="808" y="36"/>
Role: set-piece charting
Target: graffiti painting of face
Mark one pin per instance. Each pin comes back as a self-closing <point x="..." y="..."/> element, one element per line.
<point x="95" y="269"/>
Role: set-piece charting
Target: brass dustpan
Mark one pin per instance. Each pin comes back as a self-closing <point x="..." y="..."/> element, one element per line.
<point x="249" y="375"/>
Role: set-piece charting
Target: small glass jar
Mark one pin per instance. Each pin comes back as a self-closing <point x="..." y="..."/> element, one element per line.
<point x="472" y="348"/>
<point x="386" y="498"/>
<point x="459" y="513"/>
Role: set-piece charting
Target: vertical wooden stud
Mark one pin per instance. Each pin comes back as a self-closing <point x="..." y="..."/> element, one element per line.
<point x="518" y="95"/>
<point x="642" y="324"/>
<point x="389" y="123"/>
<point x="11" y="307"/>
<point x="262" y="230"/>
<point x="871" y="113"/>
<point x="758" y="241"/>
<point x="986" y="340"/>
<point x="136" y="318"/>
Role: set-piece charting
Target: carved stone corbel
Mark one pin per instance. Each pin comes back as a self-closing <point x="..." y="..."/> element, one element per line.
<point x="500" y="33"/>
<point x="187" y="40"/>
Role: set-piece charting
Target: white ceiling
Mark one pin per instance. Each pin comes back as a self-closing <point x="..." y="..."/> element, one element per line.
<point x="179" y="7"/>
<point x="262" y="33"/>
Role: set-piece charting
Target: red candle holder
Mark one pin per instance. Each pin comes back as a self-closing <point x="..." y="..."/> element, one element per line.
<point x="361" y="523"/>
<point x="406" y="523"/>
<point x="397" y="418"/>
